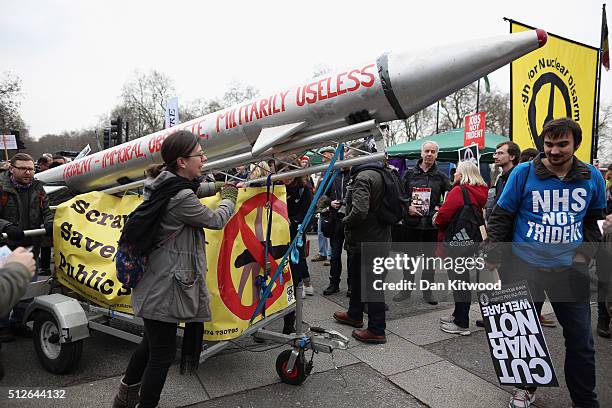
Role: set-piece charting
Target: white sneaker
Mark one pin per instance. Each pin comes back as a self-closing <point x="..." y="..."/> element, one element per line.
<point x="452" y="328"/>
<point x="309" y="290"/>
<point x="521" y="398"/>
<point x="447" y="320"/>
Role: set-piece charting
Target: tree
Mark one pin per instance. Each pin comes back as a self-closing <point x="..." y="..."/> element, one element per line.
<point x="455" y="107"/>
<point x="604" y="146"/>
<point x="237" y="93"/>
<point x="10" y="95"/>
<point x="144" y="101"/>
<point x="199" y="107"/>
<point x="420" y="124"/>
<point x="496" y="105"/>
<point x="74" y="140"/>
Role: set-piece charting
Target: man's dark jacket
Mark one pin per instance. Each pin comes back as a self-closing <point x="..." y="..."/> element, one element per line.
<point x="363" y="198"/>
<point x="432" y="178"/>
<point x="11" y="206"/>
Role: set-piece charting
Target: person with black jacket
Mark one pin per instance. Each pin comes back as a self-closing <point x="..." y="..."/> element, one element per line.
<point x="333" y="202"/>
<point x="554" y="191"/>
<point x="423" y="180"/>
<point x="299" y="197"/>
<point x="361" y="225"/>
<point x="604" y="272"/>
<point x="23" y="206"/>
<point x="506" y="156"/>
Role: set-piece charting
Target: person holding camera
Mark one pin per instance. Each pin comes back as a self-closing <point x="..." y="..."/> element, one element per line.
<point x="23" y="206"/>
<point x="332" y="214"/>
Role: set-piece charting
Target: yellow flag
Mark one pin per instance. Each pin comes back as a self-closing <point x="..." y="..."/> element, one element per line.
<point x="555" y="81"/>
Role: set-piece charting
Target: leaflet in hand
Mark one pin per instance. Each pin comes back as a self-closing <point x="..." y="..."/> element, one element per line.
<point x="421" y="199"/>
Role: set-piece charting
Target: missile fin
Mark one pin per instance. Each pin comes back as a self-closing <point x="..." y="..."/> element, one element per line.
<point x="270" y="136"/>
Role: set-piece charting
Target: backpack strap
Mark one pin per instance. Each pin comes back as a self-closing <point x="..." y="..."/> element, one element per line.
<point x="466" y="196"/>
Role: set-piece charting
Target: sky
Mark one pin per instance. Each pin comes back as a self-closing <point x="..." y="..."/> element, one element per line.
<point x="73" y="57"/>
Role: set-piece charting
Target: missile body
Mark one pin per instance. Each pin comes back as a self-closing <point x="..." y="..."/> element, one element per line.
<point x="311" y="114"/>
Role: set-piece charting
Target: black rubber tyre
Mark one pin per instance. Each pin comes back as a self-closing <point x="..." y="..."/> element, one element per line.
<point x="297" y="375"/>
<point x="56" y="357"/>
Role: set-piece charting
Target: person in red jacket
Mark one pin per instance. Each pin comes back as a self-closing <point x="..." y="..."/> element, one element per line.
<point x="467" y="177"/>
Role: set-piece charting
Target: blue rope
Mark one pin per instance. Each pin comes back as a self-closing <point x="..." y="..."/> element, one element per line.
<point x="292" y="251"/>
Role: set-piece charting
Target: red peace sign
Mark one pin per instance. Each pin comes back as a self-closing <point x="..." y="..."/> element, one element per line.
<point x="227" y="291"/>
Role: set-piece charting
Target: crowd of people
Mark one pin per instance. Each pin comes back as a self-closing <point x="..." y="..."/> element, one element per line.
<point x="168" y="229"/>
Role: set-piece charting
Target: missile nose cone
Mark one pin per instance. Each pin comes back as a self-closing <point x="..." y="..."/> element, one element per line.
<point x="542" y="37"/>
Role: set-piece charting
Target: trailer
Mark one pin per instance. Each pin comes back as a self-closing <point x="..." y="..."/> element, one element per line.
<point x="61" y="323"/>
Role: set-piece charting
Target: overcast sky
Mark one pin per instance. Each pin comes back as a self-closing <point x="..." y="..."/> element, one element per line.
<point x="74" y="56"/>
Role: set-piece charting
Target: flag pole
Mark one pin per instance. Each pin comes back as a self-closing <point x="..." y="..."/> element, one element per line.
<point x="595" y="146"/>
<point x="437" y="116"/>
<point x="478" y="95"/>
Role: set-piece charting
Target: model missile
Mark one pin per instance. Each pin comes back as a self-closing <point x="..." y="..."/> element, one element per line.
<point x="336" y="107"/>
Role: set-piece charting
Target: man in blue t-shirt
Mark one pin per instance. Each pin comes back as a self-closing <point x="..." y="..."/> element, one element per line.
<point x="549" y="211"/>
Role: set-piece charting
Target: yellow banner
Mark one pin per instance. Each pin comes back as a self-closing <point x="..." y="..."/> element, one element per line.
<point x="555" y="81"/>
<point x="87" y="228"/>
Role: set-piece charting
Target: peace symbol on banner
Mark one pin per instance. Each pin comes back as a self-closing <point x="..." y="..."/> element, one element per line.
<point x="555" y="87"/>
<point x="237" y="224"/>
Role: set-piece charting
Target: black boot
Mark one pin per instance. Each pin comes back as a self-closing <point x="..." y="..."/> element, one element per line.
<point x="331" y="289"/>
<point x="289" y="323"/>
<point x="127" y="397"/>
<point x="603" y="328"/>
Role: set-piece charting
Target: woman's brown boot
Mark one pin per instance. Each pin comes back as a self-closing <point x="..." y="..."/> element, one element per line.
<point x="127" y="397"/>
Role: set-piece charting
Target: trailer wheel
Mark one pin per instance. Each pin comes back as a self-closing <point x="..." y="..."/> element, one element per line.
<point x="56" y="357"/>
<point x="297" y="375"/>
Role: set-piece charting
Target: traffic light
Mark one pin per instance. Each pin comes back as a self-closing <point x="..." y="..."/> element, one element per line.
<point x="106" y="140"/>
<point x="117" y="130"/>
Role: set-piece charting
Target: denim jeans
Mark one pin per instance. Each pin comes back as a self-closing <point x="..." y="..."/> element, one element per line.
<point x="324" y="249"/>
<point x="604" y="283"/>
<point x="462" y="299"/>
<point x="150" y="362"/>
<point x="376" y="310"/>
<point x="575" y="318"/>
<point x="414" y="236"/>
<point x="335" y="269"/>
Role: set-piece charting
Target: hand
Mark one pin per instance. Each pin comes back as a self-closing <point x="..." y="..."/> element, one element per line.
<point x="607" y="225"/>
<point x="24" y="257"/>
<point x="433" y="218"/>
<point x="335" y="204"/>
<point x="414" y="212"/>
<point x="579" y="258"/>
<point x="229" y="192"/>
<point x="241" y="184"/>
<point x="14" y="233"/>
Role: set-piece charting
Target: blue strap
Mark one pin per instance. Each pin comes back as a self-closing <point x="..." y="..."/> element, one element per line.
<point x="292" y="251"/>
<point x="261" y="282"/>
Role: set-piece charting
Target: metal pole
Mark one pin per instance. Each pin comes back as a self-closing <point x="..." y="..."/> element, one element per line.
<point x="321" y="167"/>
<point x="478" y="95"/>
<point x="595" y="146"/>
<point x="437" y="117"/>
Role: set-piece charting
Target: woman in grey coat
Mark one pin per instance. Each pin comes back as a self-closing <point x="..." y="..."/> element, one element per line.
<point x="173" y="287"/>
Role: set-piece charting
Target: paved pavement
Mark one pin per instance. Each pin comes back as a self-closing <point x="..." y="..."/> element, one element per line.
<point x="420" y="366"/>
